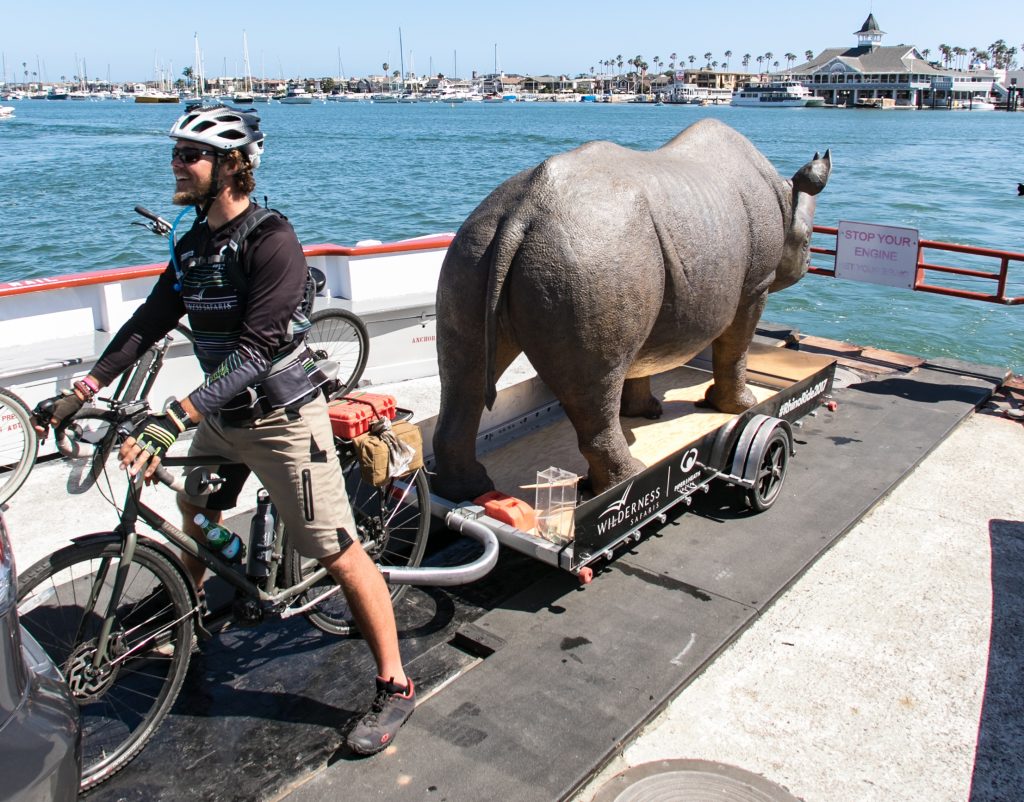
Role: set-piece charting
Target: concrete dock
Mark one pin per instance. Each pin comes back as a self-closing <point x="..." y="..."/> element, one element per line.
<point x="893" y="669"/>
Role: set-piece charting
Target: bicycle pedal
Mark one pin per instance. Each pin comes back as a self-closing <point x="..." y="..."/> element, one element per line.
<point x="247" y="612"/>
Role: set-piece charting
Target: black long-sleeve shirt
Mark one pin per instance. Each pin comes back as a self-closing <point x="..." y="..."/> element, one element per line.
<point x="236" y="346"/>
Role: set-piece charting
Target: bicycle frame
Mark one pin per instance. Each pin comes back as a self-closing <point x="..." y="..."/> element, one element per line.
<point x="127" y="531"/>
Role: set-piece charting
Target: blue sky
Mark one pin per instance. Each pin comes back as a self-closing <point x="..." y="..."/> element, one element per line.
<point x="124" y="41"/>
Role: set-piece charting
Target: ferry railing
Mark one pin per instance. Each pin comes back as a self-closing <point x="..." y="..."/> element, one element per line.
<point x="988" y="257"/>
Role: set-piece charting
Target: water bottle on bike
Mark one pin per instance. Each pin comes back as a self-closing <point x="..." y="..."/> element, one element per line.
<point x="227" y="542"/>
<point x="261" y="539"/>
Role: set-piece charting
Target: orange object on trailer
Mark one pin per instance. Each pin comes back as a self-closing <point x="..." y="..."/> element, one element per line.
<point x="508" y="509"/>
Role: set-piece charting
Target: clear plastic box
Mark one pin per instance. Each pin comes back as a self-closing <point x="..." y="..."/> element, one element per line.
<point x="555" y="504"/>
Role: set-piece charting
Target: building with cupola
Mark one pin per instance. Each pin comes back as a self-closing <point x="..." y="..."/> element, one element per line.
<point x="898" y="76"/>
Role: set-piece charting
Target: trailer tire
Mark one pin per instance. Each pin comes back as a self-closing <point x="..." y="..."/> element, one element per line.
<point x="772" y="465"/>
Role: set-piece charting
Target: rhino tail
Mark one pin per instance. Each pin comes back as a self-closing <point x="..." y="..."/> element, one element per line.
<point x="507" y="239"/>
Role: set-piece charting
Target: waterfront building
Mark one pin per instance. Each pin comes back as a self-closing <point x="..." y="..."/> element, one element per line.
<point x="873" y="74"/>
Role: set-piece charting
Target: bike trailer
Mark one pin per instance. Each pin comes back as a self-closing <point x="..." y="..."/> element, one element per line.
<point x="535" y="509"/>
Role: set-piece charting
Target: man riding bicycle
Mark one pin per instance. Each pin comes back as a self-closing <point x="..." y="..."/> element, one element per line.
<point x="261" y="404"/>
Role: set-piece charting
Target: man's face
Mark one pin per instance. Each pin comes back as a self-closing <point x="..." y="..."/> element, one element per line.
<point x="192" y="165"/>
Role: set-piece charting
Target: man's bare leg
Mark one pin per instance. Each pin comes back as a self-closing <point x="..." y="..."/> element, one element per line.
<point x="370" y="602"/>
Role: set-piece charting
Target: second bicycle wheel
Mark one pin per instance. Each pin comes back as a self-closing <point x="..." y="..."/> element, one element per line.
<point x="62" y="602"/>
<point x="393" y="522"/>
<point x="18" y="444"/>
<point x="340" y="336"/>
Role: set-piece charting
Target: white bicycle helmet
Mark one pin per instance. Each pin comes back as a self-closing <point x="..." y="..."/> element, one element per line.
<point x="222" y="127"/>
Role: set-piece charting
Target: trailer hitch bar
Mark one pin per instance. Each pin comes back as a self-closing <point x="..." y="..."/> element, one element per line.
<point x="449" y="576"/>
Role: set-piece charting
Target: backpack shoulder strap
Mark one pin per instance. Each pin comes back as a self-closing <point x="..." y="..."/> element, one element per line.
<point x="235" y="268"/>
<point x="250" y="224"/>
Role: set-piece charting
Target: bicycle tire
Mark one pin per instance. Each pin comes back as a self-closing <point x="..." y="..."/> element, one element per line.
<point x="340" y="336"/>
<point x="140" y="371"/>
<point x="393" y="522"/>
<point x="154" y="617"/>
<point x="19" y="444"/>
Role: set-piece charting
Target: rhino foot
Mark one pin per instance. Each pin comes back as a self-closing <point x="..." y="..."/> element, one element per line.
<point x="461" y="486"/>
<point x="637" y="400"/>
<point x="732" y="403"/>
<point x="601" y="479"/>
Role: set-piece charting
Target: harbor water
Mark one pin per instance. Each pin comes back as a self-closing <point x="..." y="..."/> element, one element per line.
<point x="71" y="173"/>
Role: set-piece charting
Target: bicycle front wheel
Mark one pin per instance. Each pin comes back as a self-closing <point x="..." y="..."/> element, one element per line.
<point x="19" y="444"/>
<point x="63" y="601"/>
<point x="393" y="522"/>
<point x="340" y="336"/>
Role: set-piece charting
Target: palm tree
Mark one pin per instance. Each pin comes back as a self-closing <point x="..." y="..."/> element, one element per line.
<point x="759" y="60"/>
<point x="707" y="58"/>
<point x="728" y="55"/>
<point x="673" y="58"/>
<point x="790" y="58"/>
<point x="925" y="53"/>
<point x="746" y="61"/>
<point x="809" y="54"/>
<point x="691" y="59"/>
<point x="768" y="58"/>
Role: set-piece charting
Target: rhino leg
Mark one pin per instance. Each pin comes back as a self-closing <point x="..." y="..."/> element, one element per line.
<point x="729" y="392"/>
<point x="638" y="401"/>
<point x="602" y="444"/>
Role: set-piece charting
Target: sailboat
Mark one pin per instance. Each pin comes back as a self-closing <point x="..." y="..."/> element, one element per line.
<point x="245" y="96"/>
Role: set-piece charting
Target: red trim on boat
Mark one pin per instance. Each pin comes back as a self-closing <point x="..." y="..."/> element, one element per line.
<point x="119" y="274"/>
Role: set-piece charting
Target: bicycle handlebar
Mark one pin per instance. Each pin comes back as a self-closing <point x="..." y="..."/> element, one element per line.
<point x="157" y="224"/>
<point x="80" y="449"/>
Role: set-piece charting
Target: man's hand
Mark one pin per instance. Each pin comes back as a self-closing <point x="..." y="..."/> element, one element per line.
<point x="148" y="443"/>
<point x="56" y="412"/>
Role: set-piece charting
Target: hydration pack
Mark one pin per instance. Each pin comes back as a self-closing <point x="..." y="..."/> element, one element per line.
<point x="236" y="270"/>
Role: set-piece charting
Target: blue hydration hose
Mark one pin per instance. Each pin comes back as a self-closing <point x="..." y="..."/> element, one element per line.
<point x="171" y="241"/>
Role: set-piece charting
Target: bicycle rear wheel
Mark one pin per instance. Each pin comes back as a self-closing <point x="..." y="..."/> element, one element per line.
<point x="62" y="602"/>
<point x="340" y="336"/>
<point x="393" y="522"/>
<point x="19" y="444"/>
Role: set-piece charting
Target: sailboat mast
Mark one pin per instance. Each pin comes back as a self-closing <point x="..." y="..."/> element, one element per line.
<point x="401" y="59"/>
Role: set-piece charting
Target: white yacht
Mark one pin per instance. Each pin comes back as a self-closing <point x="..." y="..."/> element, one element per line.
<point x="779" y="94"/>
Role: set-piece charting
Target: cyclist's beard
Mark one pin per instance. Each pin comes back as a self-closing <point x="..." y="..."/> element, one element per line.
<point x="195" y="196"/>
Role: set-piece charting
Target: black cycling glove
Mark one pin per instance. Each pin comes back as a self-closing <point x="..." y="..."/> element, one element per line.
<point x="61" y="408"/>
<point x="156" y="434"/>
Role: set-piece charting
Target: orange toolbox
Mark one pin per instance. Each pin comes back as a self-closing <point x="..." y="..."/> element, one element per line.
<point x="508" y="509"/>
<point x="352" y="414"/>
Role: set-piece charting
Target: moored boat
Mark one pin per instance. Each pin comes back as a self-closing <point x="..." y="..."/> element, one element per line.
<point x="296" y="96"/>
<point x="156" y="96"/>
<point x="778" y="94"/>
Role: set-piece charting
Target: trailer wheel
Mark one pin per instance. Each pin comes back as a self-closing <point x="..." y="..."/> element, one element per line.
<point x="771" y="471"/>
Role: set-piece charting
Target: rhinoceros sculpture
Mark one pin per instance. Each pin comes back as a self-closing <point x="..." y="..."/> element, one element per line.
<point x="607" y="266"/>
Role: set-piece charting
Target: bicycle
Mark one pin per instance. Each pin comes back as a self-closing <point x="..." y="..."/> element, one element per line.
<point x="95" y="424"/>
<point x="19" y="443"/>
<point x="117" y="611"/>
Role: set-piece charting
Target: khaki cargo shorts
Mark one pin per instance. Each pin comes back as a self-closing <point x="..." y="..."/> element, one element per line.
<point x="292" y="454"/>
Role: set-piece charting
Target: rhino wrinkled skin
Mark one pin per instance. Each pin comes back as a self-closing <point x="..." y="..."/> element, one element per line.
<point x="606" y="266"/>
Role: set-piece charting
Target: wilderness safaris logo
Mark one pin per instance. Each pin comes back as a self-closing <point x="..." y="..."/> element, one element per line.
<point x="628" y="511"/>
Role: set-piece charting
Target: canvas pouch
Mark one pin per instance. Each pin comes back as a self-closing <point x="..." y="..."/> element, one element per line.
<point x="390" y="449"/>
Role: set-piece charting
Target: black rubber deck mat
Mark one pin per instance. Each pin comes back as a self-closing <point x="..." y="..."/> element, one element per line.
<point x="538" y="681"/>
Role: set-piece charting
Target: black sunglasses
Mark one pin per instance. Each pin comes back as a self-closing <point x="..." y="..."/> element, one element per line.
<point x="190" y="155"/>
